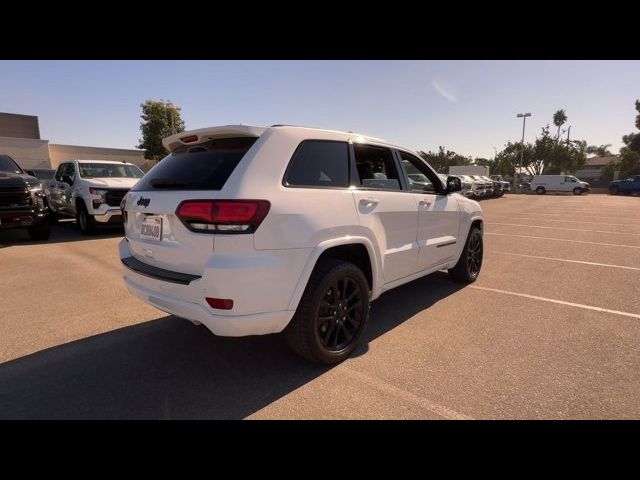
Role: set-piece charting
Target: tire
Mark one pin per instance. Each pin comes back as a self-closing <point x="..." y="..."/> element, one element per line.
<point x="41" y="231"/>
<point x="318" y="331"/>
<point x="470" y="262"/>
<point x="541" y="190"/>
<point x="577" y="191"/>
<point x="85" y="221"/>
<point x="614" y="190"/>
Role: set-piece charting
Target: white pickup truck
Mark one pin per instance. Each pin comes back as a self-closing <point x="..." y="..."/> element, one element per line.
<point x="91" y="191"/>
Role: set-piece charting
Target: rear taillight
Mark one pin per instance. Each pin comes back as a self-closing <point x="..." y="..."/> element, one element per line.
<point x="220" y="303"/>
<point x="223" y="216"/>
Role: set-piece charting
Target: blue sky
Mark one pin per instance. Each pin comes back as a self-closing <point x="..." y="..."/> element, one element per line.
<point x="467" y="106"/>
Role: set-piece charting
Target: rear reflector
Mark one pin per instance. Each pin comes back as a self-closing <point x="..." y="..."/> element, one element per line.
<point x="223" y="216"/>
<point x="220" y="303"/>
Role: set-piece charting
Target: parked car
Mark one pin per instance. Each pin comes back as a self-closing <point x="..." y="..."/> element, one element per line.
<point x="542" y="184"/>
<point x="253" y="230"/>
<point x="91" y="191"/>
<point x="467" y="190"/>
<point x="45" y="175"/>
<point x="496" y="185"/>
<point x="488" y="184"/>
<point x="23" y="204"/>
<point x="627" y="186"/>
<point x="506" y="186"/>
<point x="477" y="187"/>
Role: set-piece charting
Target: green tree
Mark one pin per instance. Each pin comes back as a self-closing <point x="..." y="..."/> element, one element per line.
<point x="546" y="155"/>
<point x="628" y="162"/>
<point x="632" y="141"/>
<point x="600" y="151"/>
<point x="443" y="159"/>
<point x="559" y="119"/>
<point x="160" y="119"/>
<point x="508" y="159"/>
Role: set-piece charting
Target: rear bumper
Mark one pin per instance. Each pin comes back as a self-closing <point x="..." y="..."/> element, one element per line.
<point x="261" y="284"/>
<point x="223" y="325"/>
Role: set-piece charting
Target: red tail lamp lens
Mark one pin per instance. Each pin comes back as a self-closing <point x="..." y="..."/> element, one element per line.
<point x="222" y="216"/>
<point x="220" y="303"/>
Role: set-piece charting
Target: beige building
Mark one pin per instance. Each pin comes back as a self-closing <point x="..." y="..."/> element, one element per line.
<point x="20" y="139"/>
<point x="593" y="170"/>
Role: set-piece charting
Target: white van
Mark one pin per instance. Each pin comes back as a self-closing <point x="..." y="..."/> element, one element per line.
<point x="542" y="184"/>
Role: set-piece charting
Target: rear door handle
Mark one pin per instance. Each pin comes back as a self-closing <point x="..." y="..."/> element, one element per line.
<point x="370" y="200"/>
<point x="424" y="203"/>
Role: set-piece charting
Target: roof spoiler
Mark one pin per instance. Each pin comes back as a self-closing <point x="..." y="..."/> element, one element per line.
<point x="193" y="137"/>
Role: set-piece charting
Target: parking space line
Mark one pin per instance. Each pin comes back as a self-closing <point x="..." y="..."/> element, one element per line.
<point x="563" y="240"/>
<point x="575" y="221"/>
<point x="387" y="388"/>
<point x="559" y="302"/>
<point x="560" y="228"/>
<point x="589" y="213"/>
<point x="566" y="260"/>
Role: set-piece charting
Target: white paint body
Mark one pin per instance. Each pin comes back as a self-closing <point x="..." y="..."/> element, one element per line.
<point x="406" y="234"/>
<point x="63" y="197"/>
<point x="558" y="183"/>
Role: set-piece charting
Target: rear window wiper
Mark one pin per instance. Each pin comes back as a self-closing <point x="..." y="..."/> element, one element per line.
<point x="166" y="183"/>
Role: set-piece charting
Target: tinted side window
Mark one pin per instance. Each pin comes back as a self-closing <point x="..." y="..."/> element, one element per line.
<point x="63" y="169"/>
<point x="319" y="163"/>
<point x="376" y="168"/>
<point x="421" y="179"/>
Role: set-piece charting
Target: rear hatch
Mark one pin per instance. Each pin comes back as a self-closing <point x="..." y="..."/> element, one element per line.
<point x="156" y="235"/>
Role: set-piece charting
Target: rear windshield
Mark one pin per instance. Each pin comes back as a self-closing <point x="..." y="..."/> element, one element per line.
<point x="205" y="166"/>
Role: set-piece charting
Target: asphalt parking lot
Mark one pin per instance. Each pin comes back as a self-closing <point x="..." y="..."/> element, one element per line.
<point x="550" y="330"/>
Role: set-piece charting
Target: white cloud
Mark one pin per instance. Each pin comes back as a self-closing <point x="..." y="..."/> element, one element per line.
<point x="443" y="92"/>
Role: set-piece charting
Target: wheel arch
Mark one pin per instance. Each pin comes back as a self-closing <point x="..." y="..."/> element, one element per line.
<point x="80" y="201"/>
<point x="357" y="250"/>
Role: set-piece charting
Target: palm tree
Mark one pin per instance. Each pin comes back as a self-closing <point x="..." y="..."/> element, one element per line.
<point x="600" y="151"/>
<point x="559" y="119"/>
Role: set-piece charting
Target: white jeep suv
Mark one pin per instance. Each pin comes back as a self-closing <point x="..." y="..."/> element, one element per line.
<point x="91" y="191"/>
<point x="253" y="230"/>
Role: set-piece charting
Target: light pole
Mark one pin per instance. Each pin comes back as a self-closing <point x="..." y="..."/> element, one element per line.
<point x="524" y="121"/>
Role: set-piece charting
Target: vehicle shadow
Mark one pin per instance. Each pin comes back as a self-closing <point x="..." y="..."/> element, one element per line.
<point x="64" y="231"/>
<point x="169" y="369"/>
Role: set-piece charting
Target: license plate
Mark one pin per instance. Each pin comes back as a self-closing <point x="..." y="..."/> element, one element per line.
<point x="151" y="228"/>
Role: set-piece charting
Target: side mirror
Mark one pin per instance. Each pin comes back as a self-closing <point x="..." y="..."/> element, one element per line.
<point x="30" y="172"/>
<point x="454" y="184"/>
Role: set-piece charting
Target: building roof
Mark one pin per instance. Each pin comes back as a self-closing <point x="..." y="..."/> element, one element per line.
<point x="600" y="161"/>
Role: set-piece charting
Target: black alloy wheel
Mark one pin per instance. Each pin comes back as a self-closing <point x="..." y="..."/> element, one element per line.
<point x="340" y="315"/>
